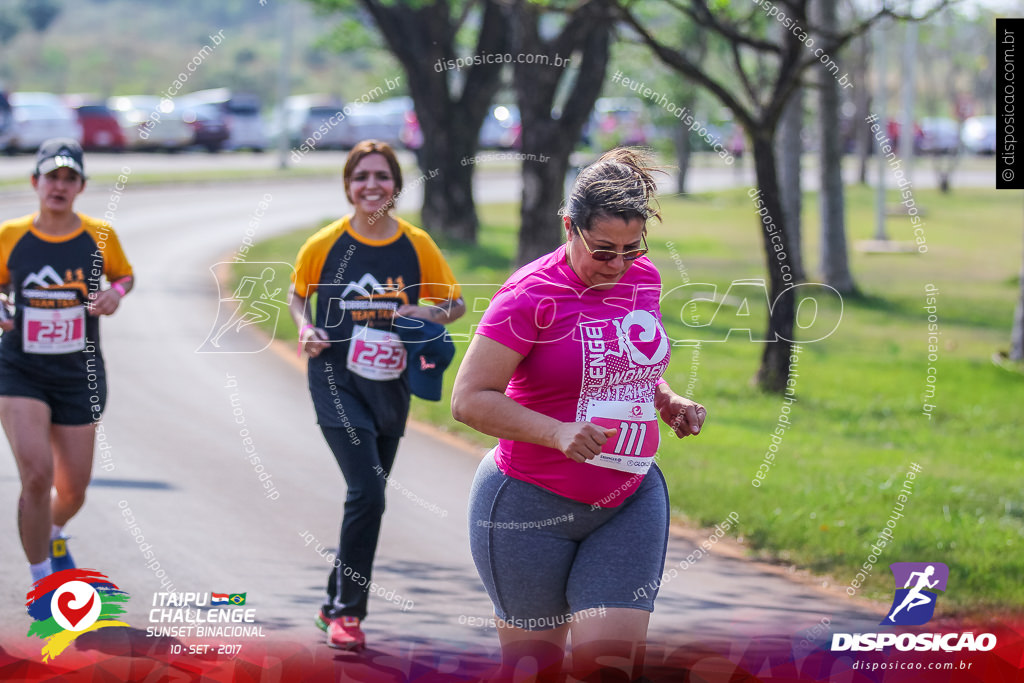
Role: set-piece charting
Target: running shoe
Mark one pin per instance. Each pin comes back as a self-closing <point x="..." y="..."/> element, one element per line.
<point x="344" y="633"/>
<point x="322" y="620"/>
<point x="60" y="558"/>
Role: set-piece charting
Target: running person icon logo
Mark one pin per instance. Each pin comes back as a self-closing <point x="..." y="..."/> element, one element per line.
<point x="257" y="298"/>
<point x="914" y="603"/>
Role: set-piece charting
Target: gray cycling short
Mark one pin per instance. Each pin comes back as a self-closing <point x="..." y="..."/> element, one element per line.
<point x="543" y="557"/>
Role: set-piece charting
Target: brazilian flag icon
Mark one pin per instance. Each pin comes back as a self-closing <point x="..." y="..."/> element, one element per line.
<point x="237" y="598"/>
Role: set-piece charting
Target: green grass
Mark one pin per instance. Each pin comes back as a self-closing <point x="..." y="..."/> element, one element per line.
<point x="858" y="424"/>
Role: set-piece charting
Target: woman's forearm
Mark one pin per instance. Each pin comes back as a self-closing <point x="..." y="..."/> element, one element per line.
<point x="297" y="309"/>
<point x="495" y="414"/>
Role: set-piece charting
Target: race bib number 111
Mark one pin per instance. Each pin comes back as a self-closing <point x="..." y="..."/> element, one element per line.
<point x="636" y="441"/>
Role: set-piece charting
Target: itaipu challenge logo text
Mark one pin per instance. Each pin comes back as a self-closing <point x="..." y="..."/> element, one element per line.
<point x="71" y="602"/>
<point x="917" y="590"/>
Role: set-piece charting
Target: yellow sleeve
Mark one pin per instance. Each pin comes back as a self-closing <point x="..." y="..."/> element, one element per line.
<point x="437" y="280"/>
<point x="310" y="261"/>
<point x="115" y="263"/>
<point x="10" y="233"/>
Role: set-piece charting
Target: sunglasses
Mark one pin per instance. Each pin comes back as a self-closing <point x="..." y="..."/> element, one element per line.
<point x="608" y="254"/>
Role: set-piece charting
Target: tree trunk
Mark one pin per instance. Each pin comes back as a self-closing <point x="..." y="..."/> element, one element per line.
<point x="774" y="370"/>
<point x="547" y="142"/>
<point x="1017" y="336"/>
<point x="835" y="265"/>
<point x="448" y="205"/>
<point x="422" y="37"/>
<point x="789" y="147"/>
<point x="684" y="151"/>
<point x="540" y="229"/>
<point x="862" y="104"/>
<point x="683" y="147"/>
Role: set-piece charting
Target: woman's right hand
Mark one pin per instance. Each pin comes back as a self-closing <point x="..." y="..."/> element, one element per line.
<point x="581" y="441"/>
<point x="313" y="340"/>
<point x="6" y="313"/>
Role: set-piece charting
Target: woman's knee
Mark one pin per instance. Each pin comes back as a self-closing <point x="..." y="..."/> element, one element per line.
<point x="36" y="481"/>
<point x="73" y="496"/>
<point x="367" y="499"/>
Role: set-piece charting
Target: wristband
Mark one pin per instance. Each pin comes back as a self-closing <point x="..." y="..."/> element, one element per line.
<point x="117" y="287"/>
<point x="661" y="380"/>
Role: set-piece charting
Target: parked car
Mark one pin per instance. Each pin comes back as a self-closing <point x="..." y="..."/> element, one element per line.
<point x="618" y="121"/>
<point x="241" y="113"/>
<point x="411" y="135"/>
<point x="315" y="120"/>
<point x="978" y="134"/>
<point x="6" y="122"/>
<point x="382" y="120"/>
<point x="502" y="129"/>
<point x="100" y="128"/>
<point x="209" y="126"/>
<point x="939" y="136"/>
<point x="149" y="122"/>
<point x="39" y="116"/>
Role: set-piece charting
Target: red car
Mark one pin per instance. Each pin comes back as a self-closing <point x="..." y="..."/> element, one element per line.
<point x="100" y="130"/>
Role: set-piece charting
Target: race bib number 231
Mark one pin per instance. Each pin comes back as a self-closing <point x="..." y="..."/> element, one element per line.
<point x="53" y="331"/>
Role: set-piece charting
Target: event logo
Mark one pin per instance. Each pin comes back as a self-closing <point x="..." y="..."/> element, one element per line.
<point x="914" y="603"/>
<point x="71" y="602"/>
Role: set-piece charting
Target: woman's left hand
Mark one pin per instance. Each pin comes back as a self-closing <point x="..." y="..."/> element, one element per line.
<point x="684" y="416"/>
<point x="104" y="303"/>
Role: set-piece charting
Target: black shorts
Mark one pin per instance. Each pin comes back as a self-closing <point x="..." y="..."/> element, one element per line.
<point x="343" y="399"/>
<point x="72" y="402"/>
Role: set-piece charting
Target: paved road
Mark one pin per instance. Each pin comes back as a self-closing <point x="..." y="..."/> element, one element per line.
<point x="177" y="463"/>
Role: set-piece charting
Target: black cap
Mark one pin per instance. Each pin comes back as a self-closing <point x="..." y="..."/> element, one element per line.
<point x="60" y="153"/>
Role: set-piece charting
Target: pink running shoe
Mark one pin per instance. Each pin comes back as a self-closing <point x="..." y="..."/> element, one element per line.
<point x="344" y="633"/>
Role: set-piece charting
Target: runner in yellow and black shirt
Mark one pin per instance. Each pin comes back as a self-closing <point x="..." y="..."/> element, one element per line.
<point x="52" y="379"/>
<point x="369" y="271"/>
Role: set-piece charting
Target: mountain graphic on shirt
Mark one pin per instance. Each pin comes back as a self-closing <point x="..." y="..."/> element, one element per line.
<point x="46" y="278"/>
<point x="368" y="285"/>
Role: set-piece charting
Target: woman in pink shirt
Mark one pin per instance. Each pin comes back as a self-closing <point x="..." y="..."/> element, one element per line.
<point x="569" y="513"/>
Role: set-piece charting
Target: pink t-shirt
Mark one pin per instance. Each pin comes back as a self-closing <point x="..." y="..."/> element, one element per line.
<point x="589" y="355"/>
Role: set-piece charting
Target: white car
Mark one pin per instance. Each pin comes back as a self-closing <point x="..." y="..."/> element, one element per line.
<point x="382" y="120"/>
<point x="39" y="116"/>
<point x="978" y="134"/>
<point x="242" y="113"/>
<point x="150" y="122"/>
<point x="317" y="121"/>
<point x="939" y="136"/>
<point x="502" y="129"/>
